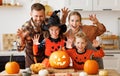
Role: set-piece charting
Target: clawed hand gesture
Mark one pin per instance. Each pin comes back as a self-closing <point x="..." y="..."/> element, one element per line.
<point x="93" y="19"/>
<point x="22" y="33"/>
<point x="65" y="12"/>
<point x="95" y="43"/>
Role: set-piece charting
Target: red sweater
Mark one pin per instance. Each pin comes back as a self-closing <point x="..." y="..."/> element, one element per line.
<point x="50" y="46"/>
<point x="78" y="59"/>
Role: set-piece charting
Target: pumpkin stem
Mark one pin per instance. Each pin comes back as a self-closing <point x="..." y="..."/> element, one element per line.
<point x="60" y="47"/>
<point x="91" y="57"/>
<point x="11" y="57"/>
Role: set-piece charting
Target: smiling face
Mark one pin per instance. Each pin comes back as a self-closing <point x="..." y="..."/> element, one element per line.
<point x="54" y="31"/>
<point x="74" y="20"/>
<point x="80" y="44"/>
<point x="38" y="16"/>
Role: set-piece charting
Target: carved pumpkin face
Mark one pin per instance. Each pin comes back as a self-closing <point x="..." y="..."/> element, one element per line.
<point x="59" y="59"/>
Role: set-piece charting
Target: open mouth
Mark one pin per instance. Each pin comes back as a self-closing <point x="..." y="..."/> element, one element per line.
<point x="60" y="63"/>
<point x="74" y="26"/>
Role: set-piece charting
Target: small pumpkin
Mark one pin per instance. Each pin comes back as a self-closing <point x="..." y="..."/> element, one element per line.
<point x="35" y="68"/>
<point x="103" y="73"/>
<point x="12" y="67"/>
<point x="91" y="67"/>
<point x="59" y="59"/>
<point x="46" y="62"/>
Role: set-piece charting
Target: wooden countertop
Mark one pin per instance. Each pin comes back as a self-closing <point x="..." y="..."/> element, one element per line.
<point x="111" y="72"/>
<point x="15" y="53"/>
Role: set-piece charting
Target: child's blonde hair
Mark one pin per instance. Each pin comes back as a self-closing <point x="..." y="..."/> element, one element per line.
<point x="81" y="35"/>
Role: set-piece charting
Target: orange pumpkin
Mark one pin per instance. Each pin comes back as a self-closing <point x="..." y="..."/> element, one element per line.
<point x="91" y="67"/>
<point x="59" y="59"/>
<point x="12" y="67"/>
<point x="46" y="62"/>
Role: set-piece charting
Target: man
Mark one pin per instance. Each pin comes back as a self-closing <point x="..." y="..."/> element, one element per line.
<point x="32" y="27"/>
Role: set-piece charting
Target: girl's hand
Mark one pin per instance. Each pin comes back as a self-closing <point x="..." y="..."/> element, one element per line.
<point x="93" y="19"/>
<point x="36" y="39"/>
<point x="95" y="43"/>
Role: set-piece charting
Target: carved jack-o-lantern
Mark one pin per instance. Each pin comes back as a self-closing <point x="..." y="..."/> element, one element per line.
<point x="59" y="59"/>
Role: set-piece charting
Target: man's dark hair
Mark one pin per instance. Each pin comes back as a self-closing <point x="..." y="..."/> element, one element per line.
<point x="37" y="7"/>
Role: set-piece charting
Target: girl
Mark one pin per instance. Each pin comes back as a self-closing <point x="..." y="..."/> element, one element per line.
<point x="79" y="54"/>
<point x="54" y="39"/>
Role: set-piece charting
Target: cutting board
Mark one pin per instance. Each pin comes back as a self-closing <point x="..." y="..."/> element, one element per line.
<point x="64" y="72"/>
<point x="5" y="74"/>
<point x="67" y="70"/>
<point x="8" y="40"/>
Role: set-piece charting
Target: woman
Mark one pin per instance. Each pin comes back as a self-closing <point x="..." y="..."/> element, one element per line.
<point x="91" y="31"/>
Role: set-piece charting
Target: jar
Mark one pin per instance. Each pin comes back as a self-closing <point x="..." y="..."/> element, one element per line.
<point x="108" y="33"/>
<point x="0" y="2"/>
<point x="13" y="2"/>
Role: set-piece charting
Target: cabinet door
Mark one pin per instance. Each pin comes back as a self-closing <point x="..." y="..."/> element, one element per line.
<point x="57" y="4"/>
<point x="112" y="61"/>
<point x="80" y="5"/>
<point x="106" y="4"/>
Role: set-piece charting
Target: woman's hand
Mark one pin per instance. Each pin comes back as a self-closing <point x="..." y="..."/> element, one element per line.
<point x="36" y="39"/>
<point x="65" y="12"/>
<point x="93" y="19"/>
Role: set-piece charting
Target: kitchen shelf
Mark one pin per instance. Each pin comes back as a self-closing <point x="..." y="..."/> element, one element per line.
<point x="110" y="42"/>
<point x="11" y="6"/>
<point x="109" y="37"/>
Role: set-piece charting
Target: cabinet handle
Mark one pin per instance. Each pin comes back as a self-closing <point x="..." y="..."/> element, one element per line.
<point x="78" y="9"/>
<point x="107" y="9"/>
<point x="109" y="55"/>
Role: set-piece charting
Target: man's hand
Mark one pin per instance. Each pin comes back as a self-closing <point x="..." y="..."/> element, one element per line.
<point x="21" y="33"/>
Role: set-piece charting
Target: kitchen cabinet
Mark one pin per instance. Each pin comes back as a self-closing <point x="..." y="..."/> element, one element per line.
<point x="5" y="59"/>
<point x="57" y="4"/>
<point x="80" y="4"/>
<point x="112" y="60"/>
<point x="94" y="5"/>
<point x="109" y="42"/>
<point x="17" y="56"/>
<point x="106" y="4"/>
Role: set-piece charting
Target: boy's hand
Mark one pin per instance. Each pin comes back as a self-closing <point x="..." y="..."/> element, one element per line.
<point x="95" y="43"/>
<point x="69" y="42"/>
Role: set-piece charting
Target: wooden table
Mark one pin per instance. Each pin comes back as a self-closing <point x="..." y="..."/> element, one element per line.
<point x="61" y="72"/>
